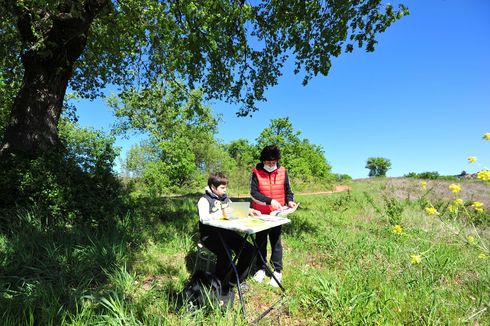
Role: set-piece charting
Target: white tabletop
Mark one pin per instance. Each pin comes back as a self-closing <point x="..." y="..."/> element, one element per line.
<point x="249" y="225"/>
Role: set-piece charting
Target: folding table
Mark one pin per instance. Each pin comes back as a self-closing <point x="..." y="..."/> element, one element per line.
<point x="249" y="226"/>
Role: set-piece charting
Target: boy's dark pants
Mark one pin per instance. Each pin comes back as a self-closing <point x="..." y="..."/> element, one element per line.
<point x="235" y="242"/>
<point x="276" y="247"/>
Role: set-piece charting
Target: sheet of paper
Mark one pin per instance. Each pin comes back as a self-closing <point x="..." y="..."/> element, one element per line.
<point x="249" y="225"/>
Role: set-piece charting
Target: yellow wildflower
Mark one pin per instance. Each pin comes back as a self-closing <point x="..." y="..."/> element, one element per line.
<point x="484" y="175"/>
<point x="455" y="188"/>
<point x="423" y="185"/>
<point x="471" y="239"/>
<point x="478" y="206"/>
<point x="415" y="259"/>
<point x="397" y="229"/>
<point x="472" y="159"/>
<point x="431" y="211"/>
<point x="486" y="136"/>
<point x="458" y="202"/>
<point x="482" y="256"/>
<point x="452" y="208"/>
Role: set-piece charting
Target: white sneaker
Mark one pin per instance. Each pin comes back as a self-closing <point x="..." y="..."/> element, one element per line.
<point x="259" y="276"/>
<point x="273" y="282"/>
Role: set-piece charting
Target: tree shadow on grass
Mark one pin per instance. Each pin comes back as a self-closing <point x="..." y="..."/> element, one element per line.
<point x="44" y="272"/>
<point x="178" y="211"/>
<point x="299" y="226"/>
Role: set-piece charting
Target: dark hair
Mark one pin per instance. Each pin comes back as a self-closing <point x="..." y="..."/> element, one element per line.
<point x="217" y="179"/>
<point x="270" y="153"/>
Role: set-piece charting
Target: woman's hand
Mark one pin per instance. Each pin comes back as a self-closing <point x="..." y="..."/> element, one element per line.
<point x="254" y="212"/>
<point x="275" y="204"/>
<point x="292" y="204"/>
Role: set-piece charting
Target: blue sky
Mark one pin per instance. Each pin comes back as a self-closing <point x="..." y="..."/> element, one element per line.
<point x="422" y="99"/>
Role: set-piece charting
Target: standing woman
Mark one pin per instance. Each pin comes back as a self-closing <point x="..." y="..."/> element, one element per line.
<point x="270" y="190"/>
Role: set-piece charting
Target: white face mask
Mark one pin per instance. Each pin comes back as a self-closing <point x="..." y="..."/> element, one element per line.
<point x="270" y="168"/>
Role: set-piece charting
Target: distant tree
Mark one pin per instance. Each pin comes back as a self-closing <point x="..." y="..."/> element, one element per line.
<point x="378" y="166"/>
<point x="180" y="148"/>
<point x="244" y="153"/>
<point x="302" y="158"/>
<point x="233" y="50"/>
<point x="280" y="132"/>
<point x="245" y="156"/>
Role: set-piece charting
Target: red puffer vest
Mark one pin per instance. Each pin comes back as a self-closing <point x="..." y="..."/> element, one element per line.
<point x="271" y="185"/>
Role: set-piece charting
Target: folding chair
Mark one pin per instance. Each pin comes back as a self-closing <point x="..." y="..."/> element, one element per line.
<point x="205" y="259"/>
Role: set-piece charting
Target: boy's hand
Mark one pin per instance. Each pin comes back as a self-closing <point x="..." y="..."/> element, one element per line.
<point x="227" y="212"/>
<point x="254" y="212"/>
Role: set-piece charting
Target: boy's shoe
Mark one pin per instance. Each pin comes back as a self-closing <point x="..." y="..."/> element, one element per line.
<point x="244" y="287"/>
<point x="273" y="282"/>
<point x="227" y="298"/>
<point x="259" y="276"/>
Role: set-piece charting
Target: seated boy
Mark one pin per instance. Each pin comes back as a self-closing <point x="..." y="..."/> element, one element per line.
<point x="214" y="204"/>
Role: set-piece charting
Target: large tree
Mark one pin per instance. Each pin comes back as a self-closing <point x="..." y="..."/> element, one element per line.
<point x="232" y="49"/>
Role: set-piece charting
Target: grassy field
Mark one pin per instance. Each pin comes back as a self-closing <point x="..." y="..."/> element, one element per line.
<point x="371" y="255"/>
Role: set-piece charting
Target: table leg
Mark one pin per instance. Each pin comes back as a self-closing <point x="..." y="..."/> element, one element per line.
<point x="268" y="310"/>
<point x="240" y="295"/>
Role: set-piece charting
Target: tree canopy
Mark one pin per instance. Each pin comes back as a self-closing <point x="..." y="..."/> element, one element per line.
<point x="303" y="159"/>
<point x="162" y="165"/>
<point x="180" y="146"/>
<point x="232" y="50"/>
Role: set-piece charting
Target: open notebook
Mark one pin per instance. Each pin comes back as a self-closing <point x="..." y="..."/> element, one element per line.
<point x="284" y="211"/>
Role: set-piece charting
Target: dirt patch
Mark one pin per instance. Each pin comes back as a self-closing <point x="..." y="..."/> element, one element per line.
<point x="338" y="188"/>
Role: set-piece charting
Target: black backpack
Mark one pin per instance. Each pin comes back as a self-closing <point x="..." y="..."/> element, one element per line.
<point x="204" y="290"/>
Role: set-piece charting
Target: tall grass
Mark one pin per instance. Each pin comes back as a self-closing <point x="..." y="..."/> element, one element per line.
<point x="343" y="265"/>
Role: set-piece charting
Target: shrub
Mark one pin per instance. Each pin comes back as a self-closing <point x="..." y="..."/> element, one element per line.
<point x="75" y="184"/>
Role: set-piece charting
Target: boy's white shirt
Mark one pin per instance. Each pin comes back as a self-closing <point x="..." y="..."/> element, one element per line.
<point x="204" y="215"/>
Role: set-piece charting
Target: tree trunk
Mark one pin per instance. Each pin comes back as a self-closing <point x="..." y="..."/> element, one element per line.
<point x="32" y="128"/>
<point x="36" y="110"/>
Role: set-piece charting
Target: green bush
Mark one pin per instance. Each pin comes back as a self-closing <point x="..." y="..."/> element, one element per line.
<point x="424" y="175"/>
<point x="75" y="184"/>
<point x="342" y="177"/>
<point x="430" y="176"/>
